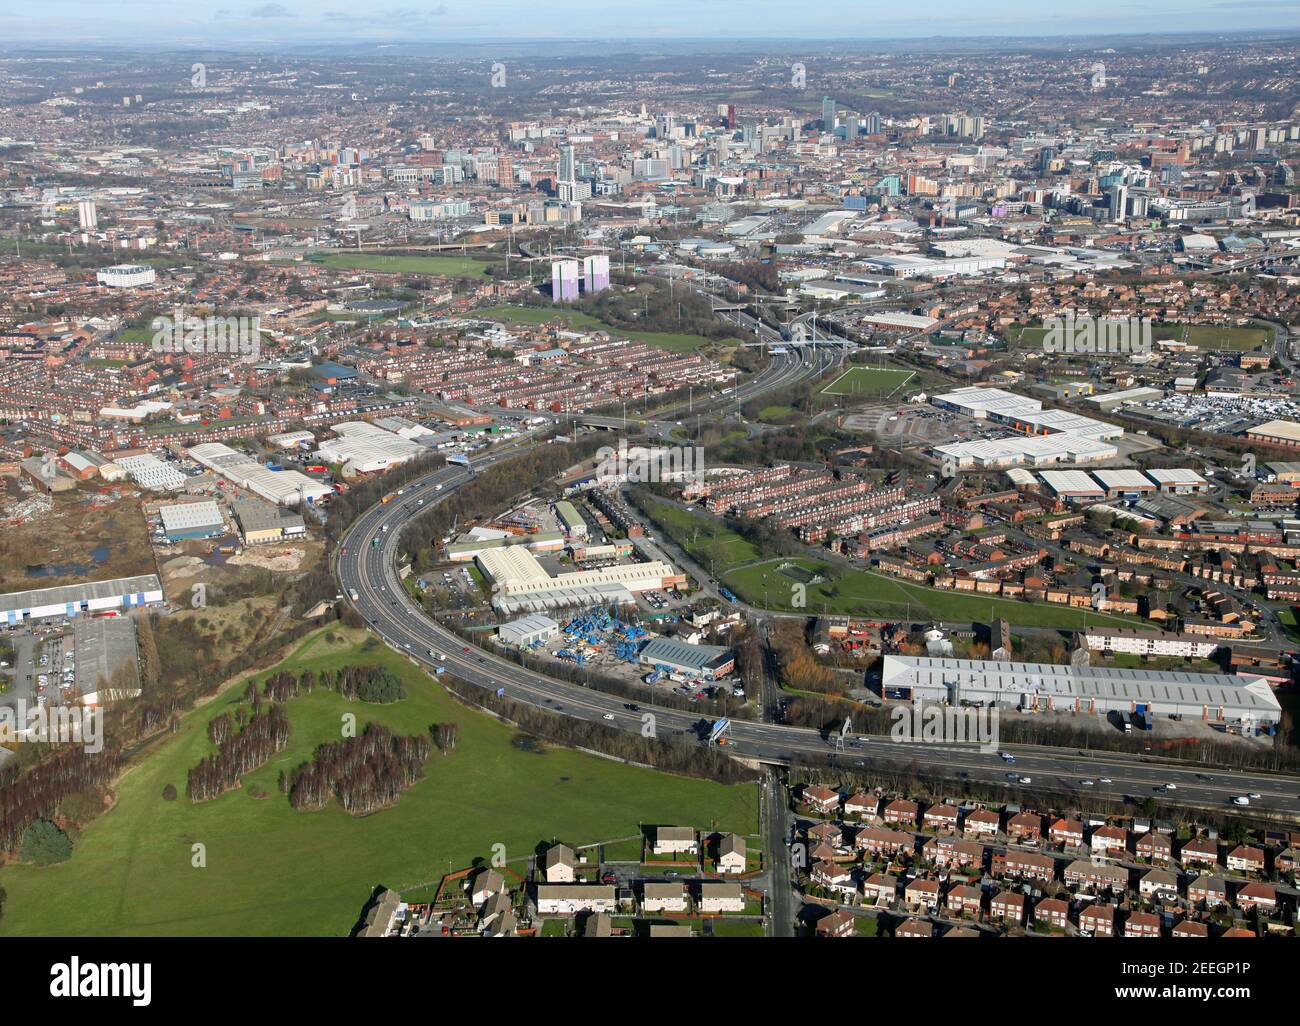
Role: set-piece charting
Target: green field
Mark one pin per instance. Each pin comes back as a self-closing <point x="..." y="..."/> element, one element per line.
<point x="273" y="871"/>
<point x="863" y="591"/>
<point x="705" y="539"/>
<point x="1203" y="336"/>
<point x="869" y="381"/>
<point x="580" y="321"/>
<point x="447" y="266"/>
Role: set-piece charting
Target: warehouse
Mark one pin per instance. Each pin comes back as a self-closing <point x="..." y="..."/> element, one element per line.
<point x="1023" y="414"/>
<point x="152" y="473"/>
<point x="71" y="599"/>
<point x="1023" y="450"/>
<point x="191" y="520"/>
<point x="570" y="519"/>
<point x="1124" y="484"/>
<point x="260" y="522"/>
<point x="521" y="584"/>
<point x="1276" y="432"/>
<point x="1072" y="485"/>
<point x="1214" y="697"/>
<point x="1179" y="482"/>
<point x="708" y="661"/>
<point x="368" y="449"/>
<point x="283" y="487"/>
<point x="533" y="629"/>
<point x="1113" y="400"/>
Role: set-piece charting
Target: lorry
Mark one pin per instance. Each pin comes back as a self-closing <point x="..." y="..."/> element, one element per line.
<point x="387" y="498"/>
<point x="374" y="543"/>
<point x="353" y="594"/>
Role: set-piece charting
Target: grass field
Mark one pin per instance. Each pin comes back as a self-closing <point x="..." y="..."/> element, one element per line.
<point x="869" y="381"/>
<point x="583" y="321"/>
<point x="1203" y="336"/>
<point x="448" y="266"/>
<point x="861" y="591"/>
<point x="273" y="871"/>
<point x="705" y="539"/>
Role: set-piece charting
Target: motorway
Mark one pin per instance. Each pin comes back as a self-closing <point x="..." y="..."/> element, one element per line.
<point x="370" y="571"/>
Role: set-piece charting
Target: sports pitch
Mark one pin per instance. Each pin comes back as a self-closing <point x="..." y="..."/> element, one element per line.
<point x="869" y="381"/>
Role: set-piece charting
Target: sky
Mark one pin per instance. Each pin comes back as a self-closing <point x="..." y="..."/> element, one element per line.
<point x="186" y="23"/>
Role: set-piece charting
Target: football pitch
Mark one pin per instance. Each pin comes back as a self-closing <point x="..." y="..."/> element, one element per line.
<point x="879" y="382"/>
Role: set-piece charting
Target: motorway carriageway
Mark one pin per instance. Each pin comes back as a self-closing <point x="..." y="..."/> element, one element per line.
<point x="384" y="604"/>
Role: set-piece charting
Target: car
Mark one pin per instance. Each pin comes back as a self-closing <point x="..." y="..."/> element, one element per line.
<point x="1013" y="776"/>
<point x="1086" y="783"/>
<point x="1026" y="780"/>
<point x="1107" y="780"/>
<point x="1241" y="800"/>
<point x="608" y="716"/>
<point x="632" y="707"/>
<point x="1255" y="796"/>
<point x="1006" y="757"/>
<point x="1170" y="787"/>
<point x="609" y="878"/>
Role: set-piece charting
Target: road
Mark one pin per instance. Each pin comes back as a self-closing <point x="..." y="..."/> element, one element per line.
<point x="369" y="570"/>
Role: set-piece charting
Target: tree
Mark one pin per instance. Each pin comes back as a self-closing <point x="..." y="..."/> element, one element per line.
<point x="45" y="844"/>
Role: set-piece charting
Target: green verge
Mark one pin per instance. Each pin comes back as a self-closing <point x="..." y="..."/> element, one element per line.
<point x="865" y="592"/>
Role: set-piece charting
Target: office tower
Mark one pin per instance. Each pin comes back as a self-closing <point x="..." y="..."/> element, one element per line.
<point x="1118" y="202"/>
<point x="568" y="170"/>
<point x="87" y="216"/>
<point x="564" y="281"/>
<point x="828" y="114"/>
<point x="595" y="273"/>
<point x="731" y="116"/>
<point x="872" y="125"/>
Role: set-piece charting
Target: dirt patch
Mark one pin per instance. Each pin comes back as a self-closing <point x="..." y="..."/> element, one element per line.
<point x="271" y="557"/>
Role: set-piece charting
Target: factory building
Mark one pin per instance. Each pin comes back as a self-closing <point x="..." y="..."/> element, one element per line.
<point x="533" y="629"/>
<point x="368" y="449"/>
<point x="1179" y="482"/>
<point x="191" y="520"/>
<point x="282" y="487"/>
<point x="1242" y="700"/>
<point x="261" y="523"/>
<point x="570" y="519"/>
<point x="708" y="661"/>
<point x="1124" y="484"/>
<point x="72" y="599"/>
<point x="521" y="584"/>
<point x="1072" y="485"/>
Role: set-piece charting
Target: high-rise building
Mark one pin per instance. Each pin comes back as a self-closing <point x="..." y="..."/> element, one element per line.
<point x="564" y="281"/>
<point x="505" y="171"/>
<point x="568" y="170"/>
<point x="828" y="114"/>
<point x="872" y="124"/>
<point x="1118" y="202"/>
<point x="595" y="273"/>
<point x="731" y="116"/>
<point x="87" y="216"/>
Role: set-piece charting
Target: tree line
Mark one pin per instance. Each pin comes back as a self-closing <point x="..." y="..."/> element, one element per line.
<point x="365" y="773"/>
<point x="245" y="742"/>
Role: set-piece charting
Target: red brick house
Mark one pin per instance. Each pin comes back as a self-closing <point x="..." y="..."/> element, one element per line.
<point x="1008" y="905"/>
<point x="1025" y="827"/>
<point x="1052" y="912"/>
<point x="1067" y="832"/>
<point x="1097" y="921"/>
<point x="1142" y="924"/>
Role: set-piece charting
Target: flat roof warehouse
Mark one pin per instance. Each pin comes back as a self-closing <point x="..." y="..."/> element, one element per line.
<point x="1043" y="686"/>
<point x="71" y="599"/>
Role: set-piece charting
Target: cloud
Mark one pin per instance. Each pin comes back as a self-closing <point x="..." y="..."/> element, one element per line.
<point x="270" y="11"/>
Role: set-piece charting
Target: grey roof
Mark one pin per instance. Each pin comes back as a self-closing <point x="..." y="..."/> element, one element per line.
<point x="678" y="653"/>
<point x="17" y="600"/>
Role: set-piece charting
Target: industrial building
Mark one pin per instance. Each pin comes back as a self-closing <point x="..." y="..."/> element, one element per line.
<point x="1072" y="485"/>
<point x="152" y="473"/>
<point x="1179" y="482"/>
<point x="1023" y="414"/>
<point x="1025" y="450"/>
<point x="521" y="584"/>
<point x="570" y="519"/>
<point x="1114" y="400"/>
<point x="71" y="599"/>
<point x="1276" y="432"/>
<point x="708" y="661"/>
<point x="282" y="487"/>
<point x="260" y="522"/>
<point x="533" y="629"/>
<point x="368" y="449"/>
<point x="1124" y="484"/>
<point x="1218" y="698"/>
<point x="191" y="520"/>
